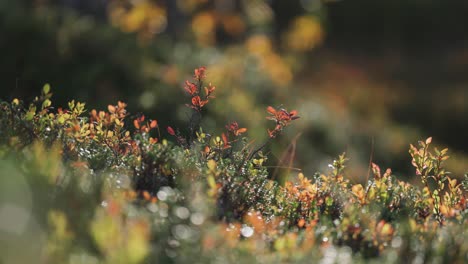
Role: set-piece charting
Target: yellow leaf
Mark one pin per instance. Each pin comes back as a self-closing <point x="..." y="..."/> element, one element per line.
<point x="211" y="181"/>
<point x="137" y="243"/>
<point x="211" y="165"/>
<point x="301" y="176"/>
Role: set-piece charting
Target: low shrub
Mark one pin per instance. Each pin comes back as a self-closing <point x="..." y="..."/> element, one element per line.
<point x="118" y="188"/>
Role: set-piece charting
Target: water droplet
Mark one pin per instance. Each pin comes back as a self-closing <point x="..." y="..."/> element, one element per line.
<point x="329" y="255"/>
<point x="171" y="253"/>
<point x="396" y="242"/>
<point x="197" y="218"/>
<point x="173" y="243"/>
<point x="152" y="207"/>
<point x="247" y="231"/>
<point x="182" y="212"/>
<point x="163" y="210"/>
<point x="182" y="232"/>
<point x="162" y="195"/>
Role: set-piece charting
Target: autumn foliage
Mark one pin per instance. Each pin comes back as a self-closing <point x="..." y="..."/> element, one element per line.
<point x="126" y="191"/>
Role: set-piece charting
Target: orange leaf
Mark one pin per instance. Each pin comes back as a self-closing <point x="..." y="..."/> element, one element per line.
<point x="146" y="195"/>
<point x="240" y="131"/>
<point x="301" y="222"/>
<point x="271" y="110"/>
<point x="111" y="108"/>
<point x="121" y="104"/>
<point x="271" y="133"/>
<point x="207" y="149"/>
<point x="225" y="141"/>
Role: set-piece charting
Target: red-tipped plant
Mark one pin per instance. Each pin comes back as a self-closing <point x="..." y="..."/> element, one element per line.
<point x="282" y="118"/>
<point x="199" y="100"/>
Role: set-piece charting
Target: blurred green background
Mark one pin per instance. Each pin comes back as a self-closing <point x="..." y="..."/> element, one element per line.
<point x="367" y="77"/>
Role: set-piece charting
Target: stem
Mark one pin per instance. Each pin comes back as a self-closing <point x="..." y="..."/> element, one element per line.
<point x="116" y="155"/>
<point x="258" y="149"/>
<point x="194" y="125"/>
<point x="251" y="155"/>
<point x="159" y="133"/>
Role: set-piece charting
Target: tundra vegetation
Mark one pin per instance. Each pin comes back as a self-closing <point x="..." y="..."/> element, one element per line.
<point x="109" y="186"/>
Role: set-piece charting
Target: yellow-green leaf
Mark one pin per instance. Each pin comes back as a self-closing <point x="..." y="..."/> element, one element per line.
<point x="211" y="181"/>
<point x="29" y="115"/>
<point x="46" y="88"/>
<point x="46" y="103"/>
<point x="211" y="165"/>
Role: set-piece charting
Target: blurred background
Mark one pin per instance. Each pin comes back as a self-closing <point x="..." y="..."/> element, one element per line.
<point x="368" y="78"/>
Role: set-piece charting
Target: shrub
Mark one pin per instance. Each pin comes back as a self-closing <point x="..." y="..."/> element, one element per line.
<point x="110" y="187"/>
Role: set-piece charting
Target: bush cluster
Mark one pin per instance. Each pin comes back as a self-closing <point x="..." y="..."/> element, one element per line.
<point x="112" y="187"/>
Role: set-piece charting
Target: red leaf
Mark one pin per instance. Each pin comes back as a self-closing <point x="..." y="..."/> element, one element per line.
<point x="198" y="103"/>
<point x="191" y="88"/>
<point x="171" y="131"/>
<point x="200" y="73"/>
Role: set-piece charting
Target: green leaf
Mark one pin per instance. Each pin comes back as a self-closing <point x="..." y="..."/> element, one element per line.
<point x="61" y="119"/>
<point x="46" y="89"/>
<point x="29" y="116"/>
<point x="71" y="104"/>
<point x="46" y="103"/>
